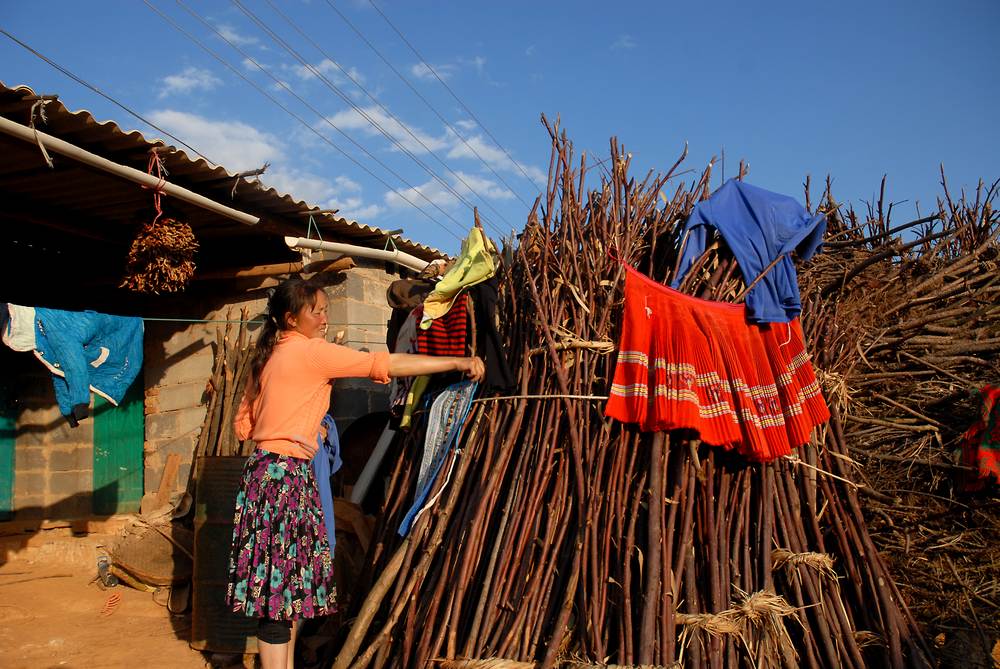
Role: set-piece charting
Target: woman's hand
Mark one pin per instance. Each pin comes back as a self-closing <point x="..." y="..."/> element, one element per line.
<point x="473" y="368"/>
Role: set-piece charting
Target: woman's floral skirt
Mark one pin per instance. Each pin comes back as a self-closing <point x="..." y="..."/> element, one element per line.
<point x="280" y="567"/>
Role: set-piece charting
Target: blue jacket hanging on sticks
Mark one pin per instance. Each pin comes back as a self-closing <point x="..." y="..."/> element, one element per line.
<point x="758" y="226"/>
<point x="87" y="351"/>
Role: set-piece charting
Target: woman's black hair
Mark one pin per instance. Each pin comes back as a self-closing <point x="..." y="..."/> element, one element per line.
<point x="288" y="298"/>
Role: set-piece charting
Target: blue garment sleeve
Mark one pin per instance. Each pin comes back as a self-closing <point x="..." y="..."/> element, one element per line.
<point x="325" y="464"/>
<point x="60" y="337"/>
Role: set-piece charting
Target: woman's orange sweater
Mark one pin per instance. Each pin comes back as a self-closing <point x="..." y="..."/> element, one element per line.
<point x="294" y="392"/>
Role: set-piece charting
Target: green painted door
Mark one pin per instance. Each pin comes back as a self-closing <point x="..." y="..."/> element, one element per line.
<point x="8" y="426"/>
<point x="119" y="433"/>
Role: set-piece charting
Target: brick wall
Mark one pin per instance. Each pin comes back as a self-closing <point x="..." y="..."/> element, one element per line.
<point x="53" y="462"/>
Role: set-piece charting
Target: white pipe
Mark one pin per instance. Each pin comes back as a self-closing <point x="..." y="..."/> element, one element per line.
<point x="57" y="145"/>
<point x="395" y="255"/>
<point x="374" y="460"/>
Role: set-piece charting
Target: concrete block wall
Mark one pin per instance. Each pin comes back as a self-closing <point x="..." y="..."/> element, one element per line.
<point x="358" y="308"/>
<point x="178" y="363"/>
<point x="53" y="462"/>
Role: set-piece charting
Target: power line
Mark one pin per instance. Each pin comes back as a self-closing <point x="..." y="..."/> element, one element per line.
<point x="457" y="99"/>
<point x="330" y="123"/>
<point x="392" y="116"/>
<point x="318" y="113"/>
<point x="298" y="118"/>
<point x="104" y="95"/>
<point x="316" y="72"/>
<point x="426" y="102"/>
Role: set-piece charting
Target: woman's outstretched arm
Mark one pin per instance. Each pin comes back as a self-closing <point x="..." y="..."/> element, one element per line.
<point x="409" y="364"/>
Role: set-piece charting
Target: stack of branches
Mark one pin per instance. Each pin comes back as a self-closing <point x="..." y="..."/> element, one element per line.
<point x="905" y="324"/>
<point x="161" y="258"/>
<point x="561" y="537"/>
<point x="225" y="390"/>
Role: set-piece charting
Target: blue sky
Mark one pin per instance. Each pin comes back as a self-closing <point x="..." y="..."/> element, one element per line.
<point x="853" y="89"/>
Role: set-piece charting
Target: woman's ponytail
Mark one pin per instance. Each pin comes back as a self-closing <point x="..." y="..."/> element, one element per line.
<point x="288" y="298"/>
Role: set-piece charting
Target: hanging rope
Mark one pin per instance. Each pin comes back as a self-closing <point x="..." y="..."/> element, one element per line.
<point x="38" y="111"/>
<point x="161" y="172"/>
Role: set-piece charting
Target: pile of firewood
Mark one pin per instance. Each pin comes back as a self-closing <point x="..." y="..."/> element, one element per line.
<point x="905" y="324"/>
<point x="563" y="538"/>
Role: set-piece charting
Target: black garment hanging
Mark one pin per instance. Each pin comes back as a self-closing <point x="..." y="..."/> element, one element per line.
<point x="488" y="346"/>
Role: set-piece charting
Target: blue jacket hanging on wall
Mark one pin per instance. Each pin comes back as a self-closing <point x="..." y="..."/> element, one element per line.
<point x="86" y="351"/>
<point x="325" y="464"/>
<point x="759" y="226"/>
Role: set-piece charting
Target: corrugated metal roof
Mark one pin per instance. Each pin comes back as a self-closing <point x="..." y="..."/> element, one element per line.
<point x="22" y="170"/>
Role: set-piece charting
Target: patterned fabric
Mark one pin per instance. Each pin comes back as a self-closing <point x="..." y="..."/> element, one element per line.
<point x="691" y="363"/>
<point x="280" y="567"/>
<point x="447" y="416"/>
<point x="981" y="442"/>
<point x="447" y="335"/>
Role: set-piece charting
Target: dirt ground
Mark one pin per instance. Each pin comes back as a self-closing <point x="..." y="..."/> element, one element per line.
<point x="53" y="615"/>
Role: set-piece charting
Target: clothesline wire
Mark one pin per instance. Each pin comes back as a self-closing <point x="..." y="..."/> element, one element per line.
<point x="541" y="397"/>
<point x="251" y="322"/>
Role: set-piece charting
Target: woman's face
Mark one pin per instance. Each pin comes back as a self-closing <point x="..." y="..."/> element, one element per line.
<point x="311" y="320"/>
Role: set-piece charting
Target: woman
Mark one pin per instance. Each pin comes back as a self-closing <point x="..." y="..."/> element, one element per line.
<point x="281" y="569"/>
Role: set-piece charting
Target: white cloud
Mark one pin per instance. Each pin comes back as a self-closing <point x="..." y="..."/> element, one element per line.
<point x="624" y="42"/>
<point x="351" y="119"/>
<point x="477" y="62"/>
<point x="328" y="69"/>
<point x="230" y="34"/>
<point x="352" y="208"/>
<point x="342" y="193"/>
<point x="486" y="188"/>
<point x="530" y="51"/>
<point x="475" y="147"/>
<point x="424" y="72"/>
<point x="347" y="184"/>
<point x="312" y="188"/>
<point x="419" y="195"/>
<point x="235" y="145"/>
<point x="462" y="183"/>
<point x="188" y="80"/>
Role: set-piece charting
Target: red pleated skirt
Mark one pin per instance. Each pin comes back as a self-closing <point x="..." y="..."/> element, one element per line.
<point x="690" y="363"/>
